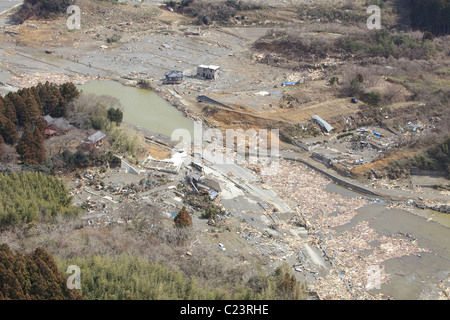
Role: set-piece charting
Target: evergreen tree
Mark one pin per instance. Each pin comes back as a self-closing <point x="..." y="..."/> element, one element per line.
<point x="31" y="146"/>
<point x="8" y="130"/>
<point x="33" y="276"/>
<point x="38" y="140"/>
<point x="10" y="111"/>
<point x="50" y="102"/>
<point x="183" y="219"/>
<point x="115" y="115"/>
<point x="41" y="124"/>
<point x="69" y="91"/>
<point x="431" y="15"/>
<point x="32" y="111"/>
<point x="19" y="106"/>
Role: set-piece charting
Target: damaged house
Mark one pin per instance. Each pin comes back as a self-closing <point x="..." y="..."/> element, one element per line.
<point x="323" y="123"/>
<point x="208" y="185"/>
<point x="207" y="72"/>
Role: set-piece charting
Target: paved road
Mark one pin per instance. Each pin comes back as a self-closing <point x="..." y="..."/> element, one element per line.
<point x="6" y="5"/>
<point x="392" y="194"/>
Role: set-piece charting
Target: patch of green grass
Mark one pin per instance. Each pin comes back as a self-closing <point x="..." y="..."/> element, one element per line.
<point x="422" y="84"/>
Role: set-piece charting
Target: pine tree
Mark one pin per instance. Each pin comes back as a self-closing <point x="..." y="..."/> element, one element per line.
<point x="8" y="130"/>
<point x="10" y="111"/>
<point x="33" y="276"/>
<point x="31" y="146"/>
<point x="19" y="106"/>
<point x="183" y="219"/>
<point x="32" y="111"/>
<point x="69" y="91"/>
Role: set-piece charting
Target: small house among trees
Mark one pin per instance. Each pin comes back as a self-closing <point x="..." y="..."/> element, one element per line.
<point x="95" y="140"/>
<point x="60" y="125"/>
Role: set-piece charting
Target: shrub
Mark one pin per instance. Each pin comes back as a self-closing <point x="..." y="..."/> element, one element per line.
<point x="114" y="38"/>
<point x="208" y="11"/>
<point x="211" y="212"/>
<point x="124" y="140"/>
<point x="373" y="98"/>
<point x="91" y="111"/>
<point x="333" y="80"/>
<point x="144" y="84"/>
<point x="350" y="45"/>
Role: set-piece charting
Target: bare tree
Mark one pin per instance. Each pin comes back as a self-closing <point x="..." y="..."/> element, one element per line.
<point x="90" y="110"/>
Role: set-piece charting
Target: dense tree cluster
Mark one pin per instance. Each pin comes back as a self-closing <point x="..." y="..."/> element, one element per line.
<point x="23" y="110"/>
<point x="28" y="197"/>
<point x="41" y="9"/>
<point x="34" y="276"/>
<point x="431" y="15"/>
<point x="115" y="115"/>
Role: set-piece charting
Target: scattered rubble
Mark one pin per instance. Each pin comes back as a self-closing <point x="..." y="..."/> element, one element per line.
<point x="350" y="253"/>
<point x="30" y="80"/>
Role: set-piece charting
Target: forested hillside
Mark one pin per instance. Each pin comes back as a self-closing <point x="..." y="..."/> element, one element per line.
<point x="431" y="15"/>
<point x="22" y="111"/>
<point x="34" y="276"/>
<point x="28" y="197"/>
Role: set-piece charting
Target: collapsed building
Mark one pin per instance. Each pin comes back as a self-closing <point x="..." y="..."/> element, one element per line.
<point x="208" y="185"/>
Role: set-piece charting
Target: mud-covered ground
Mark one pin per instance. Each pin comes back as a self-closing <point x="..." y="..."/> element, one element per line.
<point x="329" y="238"/>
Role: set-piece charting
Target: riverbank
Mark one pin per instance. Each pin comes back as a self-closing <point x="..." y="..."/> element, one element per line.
<point x="356" y="234"/>
<point x="367" y="188"/>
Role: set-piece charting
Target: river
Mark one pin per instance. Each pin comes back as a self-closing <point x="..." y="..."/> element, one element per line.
<point x="411" y="276"/>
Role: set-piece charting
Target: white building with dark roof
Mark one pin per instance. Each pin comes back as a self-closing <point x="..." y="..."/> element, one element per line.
<point x="207" y="72"/>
